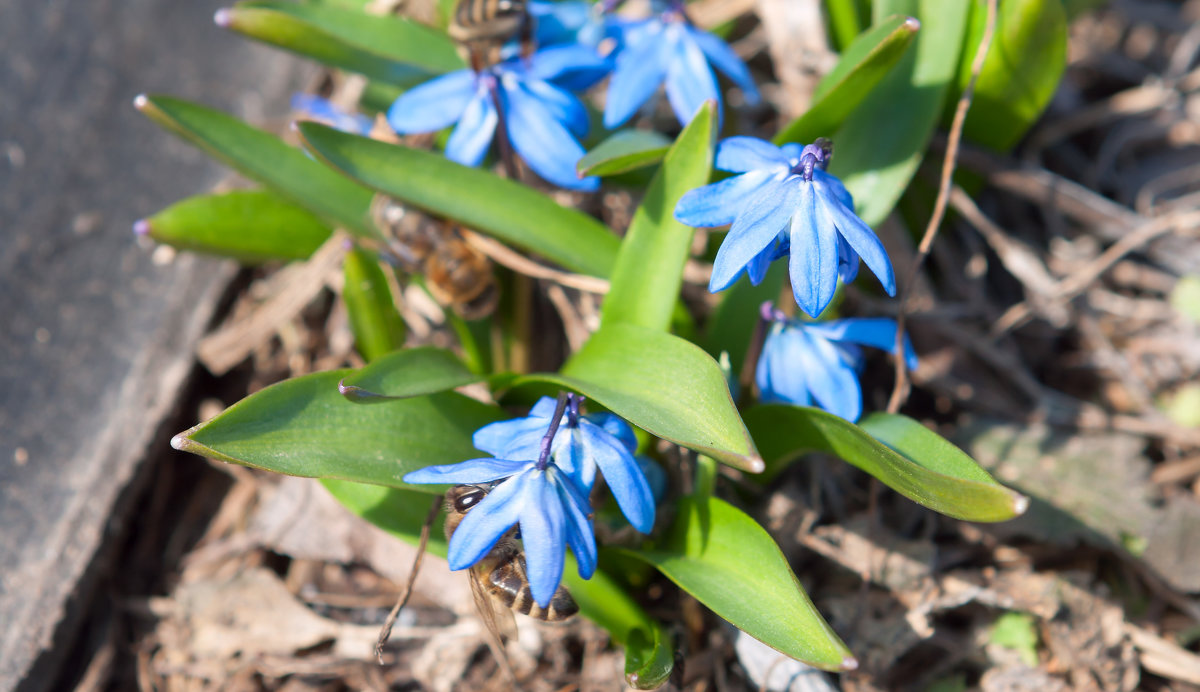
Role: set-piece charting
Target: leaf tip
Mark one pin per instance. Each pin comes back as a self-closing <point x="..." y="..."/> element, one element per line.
<point x="755" y="464"/>
<point x="141" y="227"/>
<point x="912" y="24"/>
<point x="1020" y="503"/>
<point x="223" y="18"/>
<point x="182" y="442"/>
<point x="140" y="102"/>
<point x="849" y="663"/>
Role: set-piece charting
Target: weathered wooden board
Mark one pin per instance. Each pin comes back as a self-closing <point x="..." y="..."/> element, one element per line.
<point x="95" y="337"/>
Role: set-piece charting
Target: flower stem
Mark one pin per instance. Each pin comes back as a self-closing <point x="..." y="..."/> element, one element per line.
<point x="560" y="406"/>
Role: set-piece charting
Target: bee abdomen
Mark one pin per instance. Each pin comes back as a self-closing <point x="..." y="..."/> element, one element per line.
<point x="508" y="584"/>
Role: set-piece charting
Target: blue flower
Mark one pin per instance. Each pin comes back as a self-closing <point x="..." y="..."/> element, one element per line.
<point x="668" y="48"/>
<point x="807" y="362"/>
<point x="784" y="203"/>
<point x="568" y="21"/>
<point x="321" y="110"/>
<point x="583" y="444"/>
<point x="541" y="119"/>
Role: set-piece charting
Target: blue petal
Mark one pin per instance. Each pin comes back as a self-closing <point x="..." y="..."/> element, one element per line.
<point x="753" y="229"/>
<point x="554" y="62"/>
<point x="571" y="455"/>
<point x="656" y="477"/>
<point x="625" y="480"/>
<point x="719" y="204"/>
<point x="562" y="105"/>
<point x="879" y="332"/>
<point x="779" y="375"/>
<point x="613" y="425"/>
<point x="640" y="69"/>
<point x="757" y="270"/>
<point x="832" y="381"/>
<point x="544" y="408"/>
<point x="498" y="438"/>
<point x="471" y="137"/>
<point x="741" y="154"/>
<point x="543" y="534"/>
<point x="814" y="253"/>
<point x="860" y="237"/>
<point x="848" y="261"/>
<point x="484" y="524"/>
<point x="839" y="190"/>
<point x="727" y="61"/>
<point x="434" y="104"/>
<point x="543" y="142"/>
<point x="690" y="81"/>
<point x="471" y="471"/>
<point x="581" y="536"/>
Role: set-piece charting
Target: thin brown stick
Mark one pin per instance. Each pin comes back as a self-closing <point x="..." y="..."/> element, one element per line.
<point x="501" y="254"/>
<point x="386" y="630"/>
<point x="900" y="390"/>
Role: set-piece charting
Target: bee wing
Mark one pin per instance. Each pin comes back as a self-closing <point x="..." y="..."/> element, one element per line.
<point x="500" y="624"/>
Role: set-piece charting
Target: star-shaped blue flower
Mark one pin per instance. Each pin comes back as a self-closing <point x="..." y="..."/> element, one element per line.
<point x="784" y="203"/>
<point x="541" y="119"/>
<point x="321" y="110"/>
<point x="583" y="444"/>
<point x="668" y="48"/>
<point x="804" y="363"/>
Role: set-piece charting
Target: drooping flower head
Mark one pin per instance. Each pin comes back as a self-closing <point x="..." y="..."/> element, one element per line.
<point x="784" y="203"/>
<point x="817" y="363"/>
<point x="667" y="48"/>
<point x="541" y="119"/>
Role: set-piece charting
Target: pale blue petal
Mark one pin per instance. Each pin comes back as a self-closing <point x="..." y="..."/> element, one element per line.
<point x="741" y="154"/>
<point x="571" y="455"/>
<point x="814" y="254"/>
<point x="793" y="151"/>
<point x="485" y="523"/>
<point x="878" y="332"/>
<point x="471" y="137"/>
<point x="561" y="105"/>
<point x="581" y="536"/>
<point x="719" y="204"/>
<point x="544" y="408"/>
<point x="471" y="471"/>
<point x="543" y="535"/>
<point x="690" y="81"/>
<point x="544" y="143"/>
<point x="757" y="270"/>
<point x="625" y="480"/>
<point x="727" y="61"/>
<point x="752" y="230"/>
<point x="779" y="375"/>
<point x="640" y="69"/>
<point x="833" y="382"/>
<point x="558" y="62"/>
<point x="498" y="438"/>
<point x="860" y="237"/>
<point x="656" y="477"/>
<point x="848" y="261"/>
<point x="434" y="104"/>
<point x="839" y="190"/>
<point x="613" y="425"/>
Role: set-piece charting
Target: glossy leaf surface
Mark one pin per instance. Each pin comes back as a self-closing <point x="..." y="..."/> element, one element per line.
<point x="408" y="373"/>
<point x="624" y="151"/>
<point x="399" y="511"/>
<point x="649" y="268"/>
<point x="267" y="159"/>
<point x="718" y="554"/>
<point x="908" y="457"/>
<point x="477" y="199"/>
<point x="250" y="226"/>
<point x="377" y="326"/>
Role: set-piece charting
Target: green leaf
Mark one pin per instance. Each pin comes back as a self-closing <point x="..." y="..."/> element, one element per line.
<point x="1017" y="631"/>
<point x="388" y="48"/>
<point x="408" y="373"/>
<point x="649" y="269"/>
<point x="398" y="511"/>
<point x="732" y="323"/>
<point x="377" y="326"/>
<point x="727" y="561"/>
<point x="649" y="653"/>
<point x="477" y="199"/>
<point x="1185" y="297"/>
<point x="665" y="385"/>
<point x="878" y="148"/>
<point x="864" y="64"/>
<point x="908" y="457"/>
<point x="624" y="151"/>
<point x="1020" y="74"/>
<point x="267" y="159"/>
<point x="303" y="427"/>
<point x="250" y="226"/>
<point x="845" y="22"/>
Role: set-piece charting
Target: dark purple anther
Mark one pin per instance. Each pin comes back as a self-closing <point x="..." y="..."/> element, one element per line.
<point x="573" y="402"/>
<point x="548" y="441"/>
<point x="770" y="313"/>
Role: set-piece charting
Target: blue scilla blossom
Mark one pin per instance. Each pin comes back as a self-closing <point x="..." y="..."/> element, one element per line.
<point x="541" y="118"/>
<point x="806" y="363"/>
<point x="668" y="48"/>
<point x="583" y="445"/>
<point x="314" y="107"/>
<point x="568" y="21"/>
<point x="783" y="203"/>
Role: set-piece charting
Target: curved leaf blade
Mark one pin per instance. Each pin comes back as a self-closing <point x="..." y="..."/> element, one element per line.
<point x="399" y="511"/>
<point x="713" y="546"/>
<point x="624" y="151"/>
<point x="267" y="159"/>
<point x="408" y="373"/>
<point x="908" y="457"/>
<point x="303" y="427"/>
<point x="477" y="199"/>
<point x="376" y="324"/>
<point x="250" y="226"/>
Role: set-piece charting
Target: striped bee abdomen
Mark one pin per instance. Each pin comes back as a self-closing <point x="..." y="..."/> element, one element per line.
<point x="510" y="586"/>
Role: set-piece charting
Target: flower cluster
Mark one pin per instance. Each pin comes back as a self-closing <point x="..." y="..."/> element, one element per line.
<point x="547" y="464"/>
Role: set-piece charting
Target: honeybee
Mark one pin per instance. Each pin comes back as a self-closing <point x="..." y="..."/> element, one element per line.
<point x="457" y="275"/>
<point x="483" y="26"/>
<point x="500" y="576"/>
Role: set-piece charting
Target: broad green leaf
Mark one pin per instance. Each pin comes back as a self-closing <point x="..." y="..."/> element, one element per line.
<point x="477" y="199"/>
<point x="864" y="64"/>
<point x="718" y="554"/>
<point x="399" y="511"/>
<point x="250" y="226"/>
<point x="878" y="148"/>
<point x="1024" y="64"/>
<point x="267" y="159"/>
<point x="304" y="427"/>
<point x="649" y="653"/>
<point x="649" y="269"/>
<point x="624" y="151"/>
<point x="732" y="324"/>
<point x="845" y="21"/>
<point x="665" y="385"/>
<point x="391" y="49"/>
<point x="377" y="326"/>
<point x="408" y="373"/>
<point x="908" y="457"/>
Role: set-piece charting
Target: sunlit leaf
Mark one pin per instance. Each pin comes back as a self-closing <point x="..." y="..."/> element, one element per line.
<point x="408" y="373"/>
<point x="377" y="326"/>
<point x="624" y="151"/>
